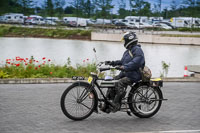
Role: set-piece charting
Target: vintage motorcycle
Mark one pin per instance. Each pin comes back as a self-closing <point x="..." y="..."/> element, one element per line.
<point x="82" y="98"/>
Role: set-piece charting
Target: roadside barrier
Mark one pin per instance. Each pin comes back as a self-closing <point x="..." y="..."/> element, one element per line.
<point x="185" y="72"/>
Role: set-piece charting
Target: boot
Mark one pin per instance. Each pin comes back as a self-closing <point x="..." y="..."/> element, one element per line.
<point x="117" y="100"/>
<point x="116" y="103"/>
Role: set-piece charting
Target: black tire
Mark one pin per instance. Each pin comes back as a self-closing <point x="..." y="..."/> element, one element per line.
<point x="142" y="96"/>
<point x="74" y="109"/>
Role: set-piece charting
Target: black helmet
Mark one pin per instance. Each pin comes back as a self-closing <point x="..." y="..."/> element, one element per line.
<point x="130" y="38"/>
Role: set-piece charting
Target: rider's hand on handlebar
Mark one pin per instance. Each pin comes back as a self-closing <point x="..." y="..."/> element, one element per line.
<point x="111" y="63"/>
<point x="119" y="68"/>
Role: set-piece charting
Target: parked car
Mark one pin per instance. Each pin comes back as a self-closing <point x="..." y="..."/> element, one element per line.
<point x="71" y="23"/>
<point x="90" y="21"/>
<point x="50" y="22"/>
<point x="163" y="26"/>
<point x="143" y="25"/>
<point x="54" y="19"/>
<point x="131" y="26"/>
<point x="120" y="25"/>
<point x="35" y="20"/>
<point x="1" y="19"/>
<point x="30" y="21"/>
<point x="103" y="21"/>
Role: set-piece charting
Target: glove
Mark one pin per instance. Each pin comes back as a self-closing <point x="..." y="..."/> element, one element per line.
<point x="121" y="68"/>
<point x="111" y="63"/>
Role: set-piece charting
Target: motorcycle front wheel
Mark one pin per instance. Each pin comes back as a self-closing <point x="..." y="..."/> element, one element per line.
<point x="77" y="102"/>
<point x="145" y="101"/>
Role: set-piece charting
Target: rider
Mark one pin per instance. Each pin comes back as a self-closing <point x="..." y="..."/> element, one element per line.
<point x="132" y="60"/>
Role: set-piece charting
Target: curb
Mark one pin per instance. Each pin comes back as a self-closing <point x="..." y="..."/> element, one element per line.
<point x="181" y="79"/>
<point x="36" y="81"/>
<point x="69" y="80"/>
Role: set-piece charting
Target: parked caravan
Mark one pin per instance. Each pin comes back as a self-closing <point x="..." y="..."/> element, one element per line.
<point x="181" y="22"/>
<point x="79" y="21"/>
<point x="13" y="18"/>
<point x="137" y="19"/>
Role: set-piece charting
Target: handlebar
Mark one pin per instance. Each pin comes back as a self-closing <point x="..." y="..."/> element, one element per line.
<point x="104" y="69"/>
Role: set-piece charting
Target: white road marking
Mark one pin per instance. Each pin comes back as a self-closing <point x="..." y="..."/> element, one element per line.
<point x="173" y="131"/>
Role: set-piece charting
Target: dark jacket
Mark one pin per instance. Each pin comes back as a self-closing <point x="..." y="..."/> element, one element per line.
<point x="132" y="64"/>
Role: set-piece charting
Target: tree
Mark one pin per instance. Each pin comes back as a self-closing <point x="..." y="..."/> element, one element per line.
<point x="76" y="4"/>
<point x="146" y="10"/>
<point x="59" y="7"/>
<point x="69" y="10"/>
<point x="141" y="7"/>
<point x="165" y="13"/>
<point x="122" y="9"/>
<point x="4" y="6"/>
<point x="174" y="7"/>
<point x="190" y="4"/>
<point x="26" y="5"/>
<point x="103" y="7"/>
<point x="87" y="8"/>
<point x="49" y="8"/>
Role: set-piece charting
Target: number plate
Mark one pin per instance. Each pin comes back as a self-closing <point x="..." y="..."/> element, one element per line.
<point x="89" y="79"/>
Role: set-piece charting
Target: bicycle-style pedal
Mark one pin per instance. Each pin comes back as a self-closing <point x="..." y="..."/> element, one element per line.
<point x="129" y="113"/>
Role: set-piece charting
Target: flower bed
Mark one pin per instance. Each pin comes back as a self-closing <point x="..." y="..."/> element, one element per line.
<point x="43" y="68"/>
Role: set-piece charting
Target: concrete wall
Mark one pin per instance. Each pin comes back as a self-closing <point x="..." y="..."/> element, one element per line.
<point x="147" y="38"/>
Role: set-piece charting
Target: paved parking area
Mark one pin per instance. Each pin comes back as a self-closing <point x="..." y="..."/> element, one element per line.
<point x="35" y="108"/>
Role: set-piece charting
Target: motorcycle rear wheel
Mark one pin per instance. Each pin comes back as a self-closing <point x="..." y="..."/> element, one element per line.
<point x="145" y="101"/>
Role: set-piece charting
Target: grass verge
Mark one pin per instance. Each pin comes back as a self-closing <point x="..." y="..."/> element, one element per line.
<point x="179" y="35"/>
<point x="42" y="32"/>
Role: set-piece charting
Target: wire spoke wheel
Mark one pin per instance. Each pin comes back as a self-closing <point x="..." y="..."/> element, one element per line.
<point x="145" y="101"/>
<point x="77" y="102"/>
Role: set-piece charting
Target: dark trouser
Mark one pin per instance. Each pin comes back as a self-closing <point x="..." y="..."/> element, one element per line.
<point x="120" y="89"/>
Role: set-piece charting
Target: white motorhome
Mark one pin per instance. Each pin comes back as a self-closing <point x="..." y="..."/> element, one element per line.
<point x="181" y="22"/>
<point x="13" y="18"/>
<point x="193" y="21"/>
<point x="79" y="21"/>
<point x="155" y="19"/>
<point x="35" y="20"/>
<point x="196" y="22"/>
<point x="103" y="21"/>
<point x="139" y="21"/>
<point x="55" y="19"/>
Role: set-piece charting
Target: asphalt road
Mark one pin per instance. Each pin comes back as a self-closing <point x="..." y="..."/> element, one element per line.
<point x="35" y="108"/>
